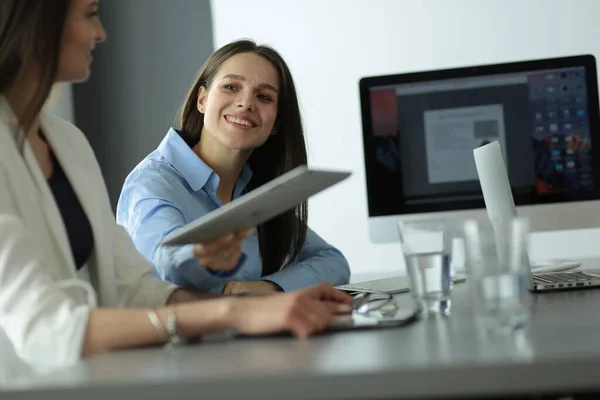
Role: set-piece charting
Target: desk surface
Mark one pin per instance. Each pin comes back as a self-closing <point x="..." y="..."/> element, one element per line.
<point x="433" y="357"/>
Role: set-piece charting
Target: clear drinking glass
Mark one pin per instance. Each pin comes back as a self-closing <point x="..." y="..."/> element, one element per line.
<point x="497" y="265"/>
<point x="427" y="249"/>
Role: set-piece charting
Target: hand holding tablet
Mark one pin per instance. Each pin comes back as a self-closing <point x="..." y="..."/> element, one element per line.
<point x="257" y="206"/>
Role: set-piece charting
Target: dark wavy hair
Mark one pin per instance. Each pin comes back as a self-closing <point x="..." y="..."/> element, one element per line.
<point x="282" y="237"/>
<point x="30" y="34"/>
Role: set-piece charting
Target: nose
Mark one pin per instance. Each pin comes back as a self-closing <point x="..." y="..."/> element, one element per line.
<point x="246" y="100"/>
<point x="100" y="33"/>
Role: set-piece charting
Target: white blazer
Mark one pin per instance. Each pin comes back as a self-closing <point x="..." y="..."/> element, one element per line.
<point x="42" y="320"/>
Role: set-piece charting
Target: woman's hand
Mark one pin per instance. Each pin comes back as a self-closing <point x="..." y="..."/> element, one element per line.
<point x="303" y="312"/>
<point x="221" y="254"/>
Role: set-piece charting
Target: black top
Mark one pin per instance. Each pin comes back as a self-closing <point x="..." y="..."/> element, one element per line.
<point x="78" y="226"/>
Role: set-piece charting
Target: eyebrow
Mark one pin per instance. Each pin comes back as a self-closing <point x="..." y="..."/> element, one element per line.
<point x="242" y="78"/>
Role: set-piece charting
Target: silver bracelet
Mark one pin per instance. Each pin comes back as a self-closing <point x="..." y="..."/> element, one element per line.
<point x="160" y="328"/>
<point x="175" y="338"/>
<point x="170" y="332"/>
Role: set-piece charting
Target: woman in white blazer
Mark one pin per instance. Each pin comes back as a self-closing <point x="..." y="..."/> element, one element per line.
<point x="67" y="270"/>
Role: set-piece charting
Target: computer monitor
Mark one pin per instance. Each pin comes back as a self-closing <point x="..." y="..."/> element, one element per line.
<point x="420" y="129"/>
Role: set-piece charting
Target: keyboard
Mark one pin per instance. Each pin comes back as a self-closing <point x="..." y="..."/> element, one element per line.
<point x="396" y="284"/>
<point x="563" y="277"/>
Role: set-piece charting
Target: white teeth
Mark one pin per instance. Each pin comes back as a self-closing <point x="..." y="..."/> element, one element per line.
<point x="239" y="121"/>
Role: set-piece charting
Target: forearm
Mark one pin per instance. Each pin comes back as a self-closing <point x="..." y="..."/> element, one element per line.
<point x="311" y="272"/>
<point x="114" y="329"/>
<point x="181" y="295"/>
<point x="253" y="287"/>
<point x="317" y="262"/>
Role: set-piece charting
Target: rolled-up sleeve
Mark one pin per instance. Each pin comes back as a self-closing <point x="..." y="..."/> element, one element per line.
<point x="317" y="262"/>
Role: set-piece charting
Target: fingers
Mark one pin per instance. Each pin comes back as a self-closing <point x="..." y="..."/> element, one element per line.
<point x="314" y="315"/>
<point x="327" y="292"/>
<point x="290" y="312"/>
<point x="244" y="233"/>
<point x="229" y="288"/>
<point x="336" y="308"/>
<point x="210" y="249"/>
<point x="225" y="259"/>
<point x="320" y="316"/>
<point x="218" y="245"/>
<point x="220" y="254"/>
<point x="311" y="318"/>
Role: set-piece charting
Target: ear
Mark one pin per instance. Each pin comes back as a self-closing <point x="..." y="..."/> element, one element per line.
<point x="201" y="103"/>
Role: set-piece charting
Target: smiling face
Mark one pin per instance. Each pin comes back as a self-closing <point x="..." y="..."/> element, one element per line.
<point x="82" y="31"/>
<point x="240" y="106"/>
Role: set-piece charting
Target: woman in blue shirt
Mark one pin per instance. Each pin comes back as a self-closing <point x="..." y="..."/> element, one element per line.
<point x="240" y="127"/>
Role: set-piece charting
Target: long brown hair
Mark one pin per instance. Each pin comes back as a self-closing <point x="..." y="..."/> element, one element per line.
<point x="30" y="34"/>
<point x="281" y="238"/>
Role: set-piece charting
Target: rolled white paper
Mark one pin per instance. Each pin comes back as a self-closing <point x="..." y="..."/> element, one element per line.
<point x="495" y="186"/>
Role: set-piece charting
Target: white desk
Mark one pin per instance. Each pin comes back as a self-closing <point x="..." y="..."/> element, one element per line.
<point x="430" y="358"/>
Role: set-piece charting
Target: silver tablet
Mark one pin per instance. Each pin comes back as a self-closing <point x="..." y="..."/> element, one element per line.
<point x="355" y="321"/>
<point x="405" y="315"/>
<point x="258" y="205"/>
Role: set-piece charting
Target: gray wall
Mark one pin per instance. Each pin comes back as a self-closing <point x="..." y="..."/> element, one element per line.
<point x="140" y="76"/>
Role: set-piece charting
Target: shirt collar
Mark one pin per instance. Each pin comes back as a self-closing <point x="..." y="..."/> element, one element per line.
<point x="242" y="181"/>
<point x="191" y="167"/>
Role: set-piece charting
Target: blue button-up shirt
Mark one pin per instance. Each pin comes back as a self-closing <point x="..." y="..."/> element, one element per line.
<point x="171" y="187"/>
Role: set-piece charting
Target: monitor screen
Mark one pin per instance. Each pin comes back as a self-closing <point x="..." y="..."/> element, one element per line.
<point x="420" y="129"/>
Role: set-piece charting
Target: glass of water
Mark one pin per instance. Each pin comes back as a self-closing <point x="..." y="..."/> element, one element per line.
<point x="427" y="246"/>
<point x="497" y="263"/>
